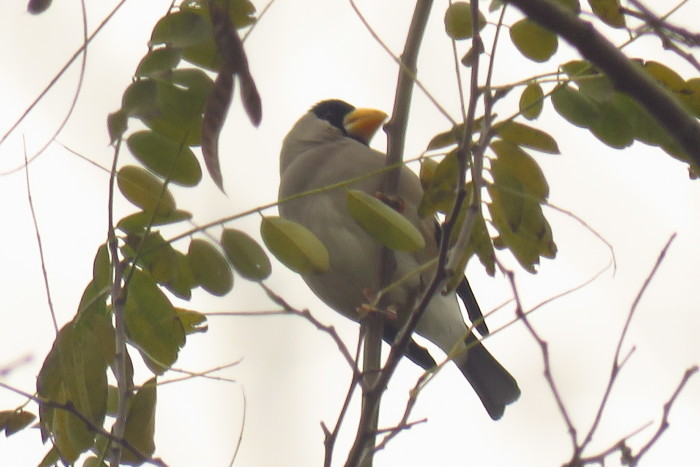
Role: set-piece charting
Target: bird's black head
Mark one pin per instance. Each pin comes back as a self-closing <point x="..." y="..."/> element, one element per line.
<point x="333" y="111"/>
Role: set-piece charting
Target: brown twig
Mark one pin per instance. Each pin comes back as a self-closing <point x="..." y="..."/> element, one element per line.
<point x="617" y="363"/>
<point x="39" y="244"/>
<point x="544" y="349"/>
<point x="363" y="447"/>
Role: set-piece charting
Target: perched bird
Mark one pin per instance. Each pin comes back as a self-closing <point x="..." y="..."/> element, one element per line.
<point x="328" y="145"/>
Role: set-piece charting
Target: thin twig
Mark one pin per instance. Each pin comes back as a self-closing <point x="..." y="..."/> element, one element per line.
<point x="240" y="433"/>
<point x="332" y="436"/>
<point x="82" y="50"/>
<point x="616" y="365"/>
<point x="118" y="298"/>
<point x="306" y="314"/>
<point x="39" y="245"/>
<point x="544" y="349"/>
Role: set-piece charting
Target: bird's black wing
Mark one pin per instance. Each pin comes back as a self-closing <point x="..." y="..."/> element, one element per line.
<point x="417" y="354"/>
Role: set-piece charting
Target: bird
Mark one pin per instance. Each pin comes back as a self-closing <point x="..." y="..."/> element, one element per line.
<point x="329" y="145"/>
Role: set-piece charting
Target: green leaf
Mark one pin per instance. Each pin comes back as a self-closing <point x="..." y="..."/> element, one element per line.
<point x="428" y="166"/>
<point x="50" y="459"/>
<point x="205" y="55"/>
<point x="294" y="245"/>
<point x="458" y="21"/>
<point x="181" y="29"/>
<point x="523" y="135"/>
<point x="531" y="101"/>
<point x="180" y="102"/>
<point x="517" y="190"/>
<point x="13" y="421"/>
<point x="446" y="138"/>
<point x="116" y="125"/>
<point x="209" y="268"/>
<point x="158" y="61"/>
<point x="519" y="164"/>
<point x="246" y="256"/>
<point x="140" y="99"/>
<point x="690" y="95"/>
<point x="152" y="323"/>
<point x="441" y="191"/>
<point x="383" y="223"/>
<point x="165" y="157"/>
<point x="479" y="243"/>
<point x="141" y="423"/>
<point x="102" y="268"/>
<point x="145" y="190"/>
<point x="139" y="221"/>
<point x="589" y="80"/>
<point x="181" y="281"/>
<point x="192" y="321"/>
<point x="609" y="12"/>
<point x="613" y="127"/>
<point x="73" y="373"/>
<point x="154" y="254"/>
<point x="644" y="125"/>
<point x="577" y="108"/>
<point x="533" y="41"/>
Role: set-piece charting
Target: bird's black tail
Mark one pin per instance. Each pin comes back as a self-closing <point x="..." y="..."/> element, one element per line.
<point x="492" y="383"/>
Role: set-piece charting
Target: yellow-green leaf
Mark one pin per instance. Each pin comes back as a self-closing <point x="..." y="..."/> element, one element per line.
<point x="181" y="29"/>
<point x="145" y="190"/>
<point x="294" y="245"/>
<point x="446" y="138"/>
<point x="533" y="41"/>
<point x="515" y="162"/>
<point x="158" y="61"/>
<point x="209" y="267"/>
<point x="383" y="223"/>
<point x="589" y="80"/>
<point x="439" y="195"/>
<point x="458" y="21"/>
<point x="102" y="268"/>
<point x="531" y="101"/>
<point x="154" y="254"/>
<point x="152" y="323"/>
<point x="141" y="423"/>
<point x="192" y="321"/>
<point x="139" y="221"/>
<point x="524" y="135"/>
<point x="609" y="12"/>
<point x="116" y="125"/>
<point x="613" y="127"/>
<point x="15" y="420"/>
<point x="690" y="95"/>
<point x="427" y="171"/>
<point x="165" y="157"/>
<point x="577" y="108"/>
<point x="246" y="256"/>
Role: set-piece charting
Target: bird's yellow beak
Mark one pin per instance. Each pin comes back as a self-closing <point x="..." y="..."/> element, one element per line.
<point x="362" y="124"/>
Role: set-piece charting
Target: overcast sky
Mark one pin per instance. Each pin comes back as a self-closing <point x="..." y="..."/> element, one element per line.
<point x="292" y="376"/>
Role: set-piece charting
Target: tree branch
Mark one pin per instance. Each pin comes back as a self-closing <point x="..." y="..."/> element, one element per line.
<point x="624" y="74"/>
<point x="363" y="447"/>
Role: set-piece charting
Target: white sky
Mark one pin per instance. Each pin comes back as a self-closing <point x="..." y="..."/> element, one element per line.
<point x="292" y="375"/>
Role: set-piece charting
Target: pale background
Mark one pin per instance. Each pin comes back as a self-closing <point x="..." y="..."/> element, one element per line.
<point x="292" y="375"/>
